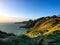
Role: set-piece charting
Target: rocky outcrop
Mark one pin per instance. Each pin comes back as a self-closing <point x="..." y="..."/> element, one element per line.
<point x="29" y="24"/>
<point x="5" y="35"/>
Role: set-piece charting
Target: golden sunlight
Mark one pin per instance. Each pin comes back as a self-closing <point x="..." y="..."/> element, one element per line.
<point x="8" y="19"/>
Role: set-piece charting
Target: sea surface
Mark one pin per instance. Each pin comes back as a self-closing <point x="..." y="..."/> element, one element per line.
<point x="12" y="28"/>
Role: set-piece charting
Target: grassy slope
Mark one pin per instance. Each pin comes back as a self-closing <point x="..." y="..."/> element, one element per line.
<point x="45" y="28"/>
<point x="40" y="35"/>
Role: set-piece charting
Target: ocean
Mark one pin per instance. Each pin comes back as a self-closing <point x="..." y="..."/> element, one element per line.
<point x="12" y="28"/>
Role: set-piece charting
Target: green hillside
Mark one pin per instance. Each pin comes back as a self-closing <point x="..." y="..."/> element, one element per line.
<point x="46" y="31"/>
<point x="46" y="28"/>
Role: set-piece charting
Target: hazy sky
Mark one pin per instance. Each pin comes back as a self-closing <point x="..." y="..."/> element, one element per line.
<point x="29" y="8"/>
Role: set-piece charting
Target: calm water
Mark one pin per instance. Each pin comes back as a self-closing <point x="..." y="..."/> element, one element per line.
<point x="12" y="28"/>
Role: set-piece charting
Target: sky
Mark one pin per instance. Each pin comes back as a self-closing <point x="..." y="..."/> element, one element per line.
<point x="30" y="9"/>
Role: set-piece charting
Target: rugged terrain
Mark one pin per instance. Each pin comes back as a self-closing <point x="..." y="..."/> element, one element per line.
<point x="44" y="31"/>
<point x="44" y="27"/>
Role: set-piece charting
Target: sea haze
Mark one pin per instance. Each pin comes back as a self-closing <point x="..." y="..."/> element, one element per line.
<point x="12" y="28"/>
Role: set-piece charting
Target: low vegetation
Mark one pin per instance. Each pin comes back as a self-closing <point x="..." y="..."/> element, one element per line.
<point x="45" y="31"/>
